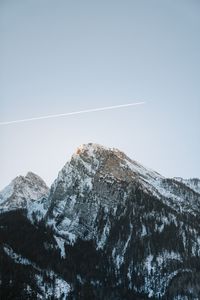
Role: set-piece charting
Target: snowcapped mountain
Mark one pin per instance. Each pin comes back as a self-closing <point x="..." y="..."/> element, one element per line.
<point x="104" y="177"/>
<point x="110" y="228"/>
<point x="25" y="192"/>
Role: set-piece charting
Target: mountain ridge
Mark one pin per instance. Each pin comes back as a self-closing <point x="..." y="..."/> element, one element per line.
<point x="150" y="178"/>
<point x="139" y="230"/>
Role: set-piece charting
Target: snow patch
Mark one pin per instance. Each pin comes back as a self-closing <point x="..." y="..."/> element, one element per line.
<point x="58" y="290"/>
<point x="61" y="245"/>
<point x="102" y="241"/>
<point x="17" y="257"/>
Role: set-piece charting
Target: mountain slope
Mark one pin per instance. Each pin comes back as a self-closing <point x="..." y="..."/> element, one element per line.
<point x="105" y="177"/>
<point x="102" y="195"/>
<point x="25" y="192"/>
<point x="116" y="230"/>
<point x="192" y="183"/>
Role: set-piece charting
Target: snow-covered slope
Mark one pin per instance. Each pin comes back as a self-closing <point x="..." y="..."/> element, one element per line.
<point x="49" y="284"/>
<point x="25" y="192"/>
<point x="104" y="196"/>
<point x="97" y="177"/>
<point x="113" y="222"/>
<point x="192" y="183"/>
<point x="91" y="172"/>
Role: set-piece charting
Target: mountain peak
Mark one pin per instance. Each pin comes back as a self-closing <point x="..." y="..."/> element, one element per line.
<point x="32" y="175"/>
<point x="36" y="179"/>
<point x="111" y="160"/>
<point x="94" y="170"/>
<point x="89" y="146"/>
<point x="22" y="190"/>
<point x="90" y="149"/>
<point x="98" y="154"/>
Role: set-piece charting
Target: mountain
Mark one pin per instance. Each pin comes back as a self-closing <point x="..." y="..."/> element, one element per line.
<point x="28" y="192"/>
<point x="110" y="228"/>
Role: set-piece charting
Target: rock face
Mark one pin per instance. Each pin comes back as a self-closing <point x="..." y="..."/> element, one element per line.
<point x="112" y="229"/>
<point x="25" y="192"/>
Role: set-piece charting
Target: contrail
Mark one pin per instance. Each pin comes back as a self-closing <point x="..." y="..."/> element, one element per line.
<point x="71" y="113"/>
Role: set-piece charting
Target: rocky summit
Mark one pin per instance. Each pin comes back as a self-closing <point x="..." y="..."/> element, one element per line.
<point x="108" y="228"/>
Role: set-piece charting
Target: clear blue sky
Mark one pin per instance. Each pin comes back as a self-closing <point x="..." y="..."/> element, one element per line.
<point x="62" y="56"/>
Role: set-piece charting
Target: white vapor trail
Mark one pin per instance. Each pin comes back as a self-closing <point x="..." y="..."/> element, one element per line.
<point x="71" y="113"/>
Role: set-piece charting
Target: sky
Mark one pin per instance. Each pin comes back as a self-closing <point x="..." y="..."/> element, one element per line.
<point x="63" y="56"/>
